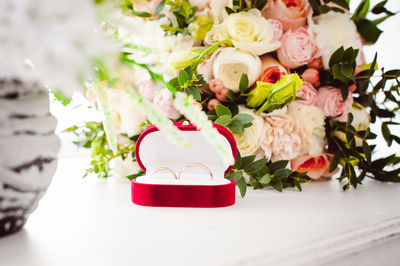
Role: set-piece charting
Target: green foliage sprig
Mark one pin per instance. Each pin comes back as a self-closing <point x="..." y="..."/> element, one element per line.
<point x="241" y="5"/>
<point x="369" y="28"/>
<point x="321" y="7"/>
<point x="357" y="160"/>
<point x="92" y="136"/>
<point x="183" y="14"/>
<point x="189" y="82"/>
<point x="265" y="174"/>
<point x="236" y="124"/>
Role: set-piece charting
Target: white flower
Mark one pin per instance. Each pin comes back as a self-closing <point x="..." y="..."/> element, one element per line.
<point x="310" y="120"/>
<point x="248" y="31"/>
<point x="250" y="140"/>
<point x="333" y="30"/>
<point x="231" y="63"/>
<point x="125" y="116"/>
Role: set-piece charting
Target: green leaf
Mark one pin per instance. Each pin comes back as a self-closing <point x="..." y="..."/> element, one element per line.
<point x="243" y="118"/>
<point x="222" y="110"/>
<point x="386" y="133"/>
<point x="238" y="162"/>
<point x="236" y="127"/>
<point x="367" y="151"/>
<point x="282" y="173"/>
<point x="265" y="179"/>
<point x="278" y="165"/>
<point x="229" y="10"/>
<point x="297" y="184"/>
<point x="342" y="3"/>
<point x="183" y="77"/>
<point x="255" y="166"/>
<point x="235" y="176"/>
<point x="335" y="162"/>
<point x="361" y="10"/>
<point x="368" y="30"/>
<point x="347" y="70"/>
<point x="159" y="7"/>
<point x="259" y="4"/>
<point x="276" y="183"/>
<point x="242" y="185"/>
<point x="336" y="57"/>
<point x="224" y="120"/>
<point x="244" y="83"/>
<point x="61" y="97"/>
<point x="195" y="92"/>
<point x="247" y="160"/>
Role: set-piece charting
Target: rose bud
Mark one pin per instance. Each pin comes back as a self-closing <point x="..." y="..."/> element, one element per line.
<point x="258" y="95"/>
<point x="221" y="95"/>
<point x="212" y="103"/>
<point x="311" y="75"/>
<point x="316" y="63"/>
<point x="216" y="85"/>
<point x="182" y="59"/>
<point x="352" y="87"/>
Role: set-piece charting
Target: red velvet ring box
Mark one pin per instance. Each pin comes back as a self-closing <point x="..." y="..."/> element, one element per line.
<point x="195" y="187"/>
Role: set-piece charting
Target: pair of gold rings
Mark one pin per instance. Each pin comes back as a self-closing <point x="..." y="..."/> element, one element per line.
<point x="177" y="177"/>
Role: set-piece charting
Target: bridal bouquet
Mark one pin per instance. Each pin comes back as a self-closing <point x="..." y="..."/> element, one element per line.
<point x="287" y="77"/>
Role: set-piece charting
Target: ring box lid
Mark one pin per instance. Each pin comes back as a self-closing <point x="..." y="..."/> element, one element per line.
<point x="154" y="150"/>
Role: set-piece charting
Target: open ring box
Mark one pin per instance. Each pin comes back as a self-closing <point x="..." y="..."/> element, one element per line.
<point x="195" y="187"/>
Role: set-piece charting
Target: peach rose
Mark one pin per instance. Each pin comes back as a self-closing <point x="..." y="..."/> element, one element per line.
<point x="271" y="70"/>
<point x="308" y="93"/>
<point x="165" y="103"/>
<point x="283" y="139"/>
<point x="292" y="13"/>
<point x="331" y="102"/>
<point x="316" y="167"/>
<point x="298" y="48"/>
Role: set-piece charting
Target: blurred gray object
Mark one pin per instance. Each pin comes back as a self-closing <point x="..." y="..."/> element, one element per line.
<point x="28" y="151"/>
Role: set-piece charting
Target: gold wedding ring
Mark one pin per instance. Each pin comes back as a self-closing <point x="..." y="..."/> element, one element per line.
<point x="196" y="165"/>
<point x="164" y="169"/>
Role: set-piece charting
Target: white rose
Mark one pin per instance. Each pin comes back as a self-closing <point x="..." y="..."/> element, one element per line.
<point x="361" y="121"/>
<point x="231" y="63"/>
<point x="248" y="31"/>
<point x="126" y="117"/>
<point x="310" y="120"/>
<point x="333" y="30"/>
<point x="250" y="140"/>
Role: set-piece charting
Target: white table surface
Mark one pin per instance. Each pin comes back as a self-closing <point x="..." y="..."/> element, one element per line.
<point x="93" y="222"/>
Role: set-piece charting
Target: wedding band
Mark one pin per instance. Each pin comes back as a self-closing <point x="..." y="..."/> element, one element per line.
<point x="159" y="169"/>
<point x="196" y="165"/>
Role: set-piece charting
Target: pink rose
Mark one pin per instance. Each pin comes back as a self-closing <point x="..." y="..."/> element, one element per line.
<point x="147" y="88"/>
<point x="331" y="102"/>
<point x="165" y="103"/>
<point x="292" y="13"/>
<point x="298" y="48"/>
<point x="307" y="92"/>
<point x="316" y="167"/>
<point x="277" y="28"/>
